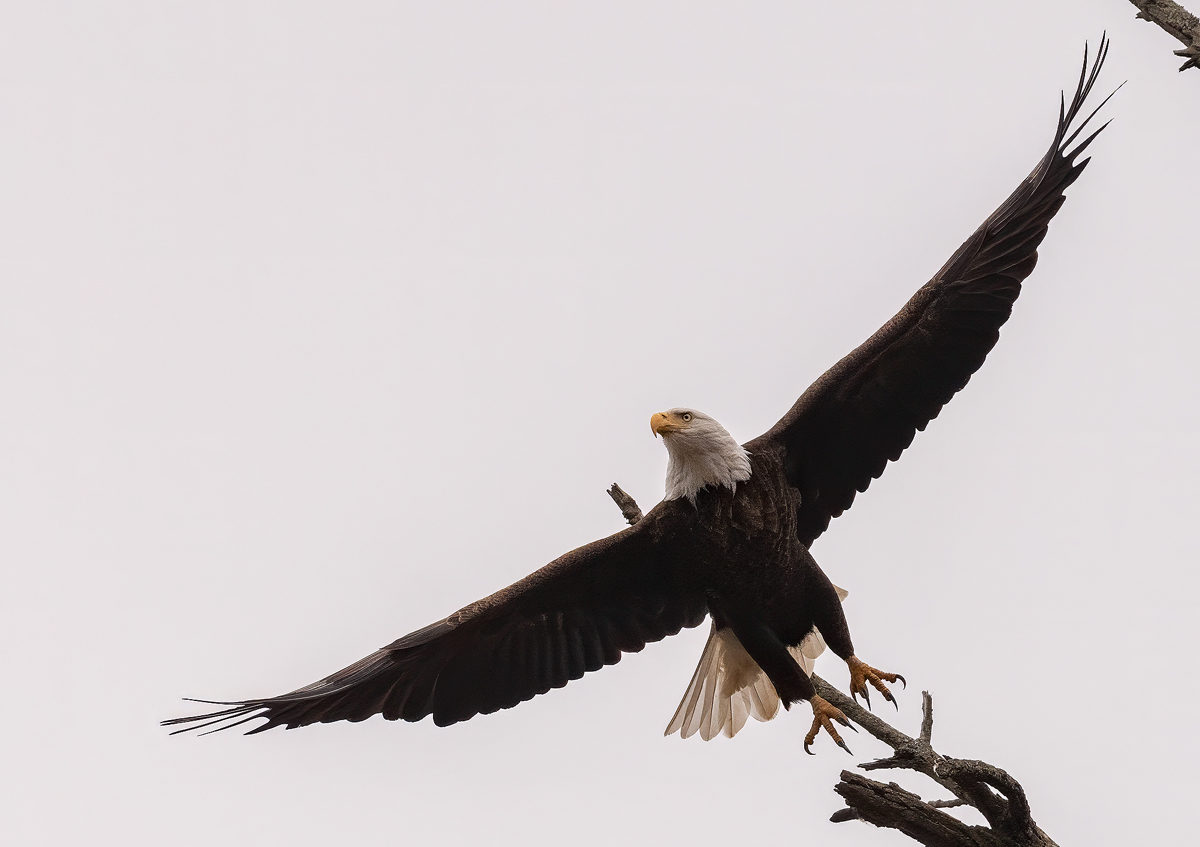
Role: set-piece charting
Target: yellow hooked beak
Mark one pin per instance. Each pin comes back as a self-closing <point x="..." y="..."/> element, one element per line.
<point x="662" y="422"/>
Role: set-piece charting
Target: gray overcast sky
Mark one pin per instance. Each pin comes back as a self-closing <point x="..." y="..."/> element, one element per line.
<point x="321" y="321"/>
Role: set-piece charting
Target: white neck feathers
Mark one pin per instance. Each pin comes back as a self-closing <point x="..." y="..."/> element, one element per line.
<point x="703" y="454"/>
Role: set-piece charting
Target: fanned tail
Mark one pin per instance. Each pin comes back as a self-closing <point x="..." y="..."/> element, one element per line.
<point x="728" y="686"/>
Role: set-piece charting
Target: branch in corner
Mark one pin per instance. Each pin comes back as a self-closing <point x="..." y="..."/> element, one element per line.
<point x="1179" y="22"/>
<point x="990" y="790"/>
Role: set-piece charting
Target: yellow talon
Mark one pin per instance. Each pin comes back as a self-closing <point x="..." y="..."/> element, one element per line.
<point x="824" y="713"/>
<point x="861" y="673"/>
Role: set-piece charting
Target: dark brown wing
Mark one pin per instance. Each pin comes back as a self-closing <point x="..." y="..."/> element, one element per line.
<point x="865" y="410"/>
<point x="577" y="614"/>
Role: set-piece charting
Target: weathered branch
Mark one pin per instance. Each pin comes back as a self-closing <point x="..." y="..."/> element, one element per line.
<point x="926" y="717"/>
<point x="1177" y="21"/>
<point x="916" y="754"/>
<point x="891" y="807"/>
<point x="627" y="505"/>
<point x="997" y="796"/>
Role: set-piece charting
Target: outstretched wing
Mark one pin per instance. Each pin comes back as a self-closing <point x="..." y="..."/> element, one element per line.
<point x="577" y="614"/>
<point x="865" y="410"/>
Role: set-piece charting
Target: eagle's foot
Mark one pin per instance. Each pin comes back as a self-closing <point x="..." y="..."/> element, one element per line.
<point x="824" y="714"/>
<point x="861" y="673"/>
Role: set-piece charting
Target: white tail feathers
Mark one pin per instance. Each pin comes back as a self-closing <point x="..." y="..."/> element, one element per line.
<point x="728" y="686"/>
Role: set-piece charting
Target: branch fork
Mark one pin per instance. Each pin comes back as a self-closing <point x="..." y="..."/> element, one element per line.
<point x="990" y="790"/>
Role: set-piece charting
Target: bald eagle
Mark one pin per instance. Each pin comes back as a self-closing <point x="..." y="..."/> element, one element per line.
<point x="731" y="538"/>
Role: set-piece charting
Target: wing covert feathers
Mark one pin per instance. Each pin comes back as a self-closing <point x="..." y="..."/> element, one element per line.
<point x="579" y="613"/>
<point x="865" y="410"/>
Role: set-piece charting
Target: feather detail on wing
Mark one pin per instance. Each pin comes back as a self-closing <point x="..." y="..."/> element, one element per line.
<point x="728" y="686"/>
<point x="579" y="613"/>
<point x="865" y="410"/>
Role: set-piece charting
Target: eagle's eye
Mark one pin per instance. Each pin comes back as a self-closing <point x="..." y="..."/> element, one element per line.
<point x="687" y="416"/>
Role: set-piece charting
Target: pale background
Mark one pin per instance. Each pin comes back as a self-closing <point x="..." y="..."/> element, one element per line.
<point x="321" y="321"/>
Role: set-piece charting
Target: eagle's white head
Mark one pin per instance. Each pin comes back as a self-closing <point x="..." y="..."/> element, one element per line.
<point x="700" y="452"/>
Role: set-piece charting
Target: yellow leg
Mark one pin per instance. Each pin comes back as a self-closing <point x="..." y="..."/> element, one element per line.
<point x="861" y="673"/>
<point x="824" y="714"/>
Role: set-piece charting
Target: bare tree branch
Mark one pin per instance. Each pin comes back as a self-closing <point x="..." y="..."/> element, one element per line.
<point x="926" y="717"/>
<point x="890" y="806"/>
<point x="997" y="796"/>
<point x="627" y="505"/>
<point x="1179" y="22"/>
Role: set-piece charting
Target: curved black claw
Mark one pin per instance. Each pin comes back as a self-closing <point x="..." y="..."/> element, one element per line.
<point x="863" y="677"/>
<point x="825" y="716"/>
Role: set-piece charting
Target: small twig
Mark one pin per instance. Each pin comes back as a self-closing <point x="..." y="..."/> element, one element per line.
<point x="1179" y="22"/>
<point x="627" y="505"/>
<point x="926" y="718"/>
